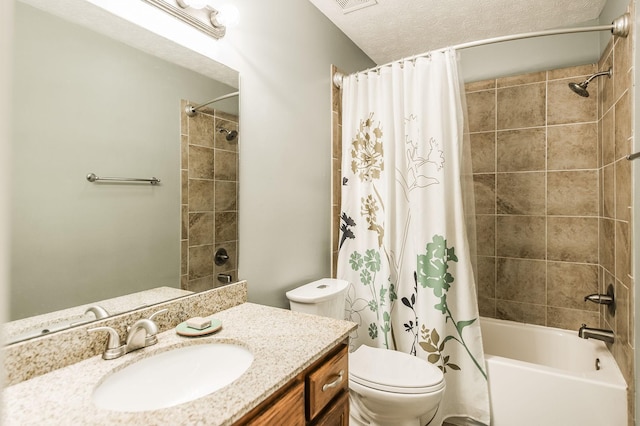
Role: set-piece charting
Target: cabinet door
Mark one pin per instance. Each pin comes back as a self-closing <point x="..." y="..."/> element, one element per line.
<point x="337" y="413"/>
<point x="327" y="381"/>
<point x="288" y="409"/>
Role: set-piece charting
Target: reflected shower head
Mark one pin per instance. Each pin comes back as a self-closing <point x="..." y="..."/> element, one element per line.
<point x="231" y="134"/>
<point x="581" y="88"/>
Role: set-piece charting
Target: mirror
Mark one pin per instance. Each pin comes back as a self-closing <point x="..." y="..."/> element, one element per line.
<point x="86" y="103"/>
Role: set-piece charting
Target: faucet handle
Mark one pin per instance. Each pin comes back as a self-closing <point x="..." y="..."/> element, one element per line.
<point x="98" y="311"/>
<point x="151" y="318"/>
<point x="155" y="314"/>
<point x="604" y="299"/>
<point x="114" y="349"/>
<point x="152" y="338"/>
<point x="601" y="299"/>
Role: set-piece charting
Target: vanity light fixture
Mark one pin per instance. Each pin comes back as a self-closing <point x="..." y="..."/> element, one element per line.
<point x="196" y="4"/>
<point x="189" y="11"/>
<point x="228" y="15"/>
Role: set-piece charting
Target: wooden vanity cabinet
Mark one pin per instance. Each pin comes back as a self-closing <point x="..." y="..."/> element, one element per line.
<point x="284" y="407"/>
<point x="337" y="414"/>
<point x="319" y="396"/>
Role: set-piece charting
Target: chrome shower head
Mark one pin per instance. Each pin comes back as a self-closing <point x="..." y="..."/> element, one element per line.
<point x="581" y="88"/>
<point x="231" y="134"/>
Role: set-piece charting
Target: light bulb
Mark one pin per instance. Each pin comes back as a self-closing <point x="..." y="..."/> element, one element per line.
<point x="228" y="15"/>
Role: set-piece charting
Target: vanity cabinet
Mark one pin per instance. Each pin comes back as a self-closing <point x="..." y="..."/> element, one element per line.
<point x="319" y="396"/>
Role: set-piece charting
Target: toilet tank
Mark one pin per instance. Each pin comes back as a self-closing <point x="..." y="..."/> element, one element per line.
<point x="324" y="297"/>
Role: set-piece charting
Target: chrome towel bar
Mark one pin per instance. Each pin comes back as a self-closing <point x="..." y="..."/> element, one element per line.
<point x="91" y="177"/>
<point x="633" y="156"/>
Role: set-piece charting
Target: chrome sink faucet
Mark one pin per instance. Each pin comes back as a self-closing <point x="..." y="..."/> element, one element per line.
<point x="596" y="333"/>
<point x="143" y="333"/>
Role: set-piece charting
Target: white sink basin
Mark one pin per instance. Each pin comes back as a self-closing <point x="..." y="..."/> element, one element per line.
<point x="172" y="377"/>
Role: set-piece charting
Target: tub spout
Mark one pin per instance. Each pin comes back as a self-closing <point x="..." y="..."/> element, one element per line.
<point x="596" y="333"/>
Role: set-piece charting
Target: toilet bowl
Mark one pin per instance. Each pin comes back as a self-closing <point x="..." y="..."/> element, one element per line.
<point x="392" y="388"/>
<point x="386" y="387"/>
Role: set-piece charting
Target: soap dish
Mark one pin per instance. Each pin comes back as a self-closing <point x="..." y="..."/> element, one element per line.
<point x="183" y="330"/>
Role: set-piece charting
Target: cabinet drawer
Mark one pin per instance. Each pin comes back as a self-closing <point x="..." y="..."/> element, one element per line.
<point x="337" y="414"/>
<point x="287" y="409"/>
<point x="327" y="381"/>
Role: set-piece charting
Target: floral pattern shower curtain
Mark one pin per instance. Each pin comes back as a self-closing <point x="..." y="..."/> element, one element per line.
<point x="403" y="243"/>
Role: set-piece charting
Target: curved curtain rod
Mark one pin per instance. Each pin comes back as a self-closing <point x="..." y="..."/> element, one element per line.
<point x="619" y="27"/>
<point x="191" y="110"/>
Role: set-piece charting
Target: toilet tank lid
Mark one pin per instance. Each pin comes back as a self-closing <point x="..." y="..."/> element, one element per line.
<point x="318" y="291"/>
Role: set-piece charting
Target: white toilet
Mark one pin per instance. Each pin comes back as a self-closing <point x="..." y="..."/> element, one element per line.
<point x="385" y="387"/>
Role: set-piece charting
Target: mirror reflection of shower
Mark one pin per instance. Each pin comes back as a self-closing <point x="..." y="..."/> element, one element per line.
<point x="581" y="88"/>
<point x="193" y="110"/>
<point x="230" y="134"/>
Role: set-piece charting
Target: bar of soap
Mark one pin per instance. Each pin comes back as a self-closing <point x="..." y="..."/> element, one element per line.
<point x="198" y="323"/>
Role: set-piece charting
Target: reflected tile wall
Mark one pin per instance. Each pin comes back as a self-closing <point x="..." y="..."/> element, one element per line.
<point x="553" y="197"/>
<point x="209" y="173"/>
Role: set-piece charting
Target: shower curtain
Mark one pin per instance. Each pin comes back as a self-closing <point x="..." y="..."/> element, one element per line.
<point x="403" y="242"/>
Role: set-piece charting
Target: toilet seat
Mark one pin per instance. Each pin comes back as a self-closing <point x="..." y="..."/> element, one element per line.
<point x="393" y="371"/>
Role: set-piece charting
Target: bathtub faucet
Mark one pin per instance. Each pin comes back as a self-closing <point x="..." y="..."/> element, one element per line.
<point x="604" y="299"/>
<point x="595" y="333"/>
<point x="601" y="299"/>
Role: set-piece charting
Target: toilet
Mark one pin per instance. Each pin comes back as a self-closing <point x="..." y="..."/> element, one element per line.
<point x="386" y="387"/>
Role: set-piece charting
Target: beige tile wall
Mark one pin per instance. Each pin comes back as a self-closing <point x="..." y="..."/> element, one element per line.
<point x="534" y="151"/>
<point x="553" y="198"/>
<point x="209" y="174"/>
<point x="615" y="140"/>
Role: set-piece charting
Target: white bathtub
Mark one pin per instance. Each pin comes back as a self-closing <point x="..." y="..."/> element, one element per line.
<point x="543" y="376"/>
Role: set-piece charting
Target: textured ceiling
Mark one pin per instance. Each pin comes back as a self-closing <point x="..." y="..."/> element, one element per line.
<point x="393" y="29"/>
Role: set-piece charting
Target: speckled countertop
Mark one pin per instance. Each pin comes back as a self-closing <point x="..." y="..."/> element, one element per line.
<point x="283" y="343"/>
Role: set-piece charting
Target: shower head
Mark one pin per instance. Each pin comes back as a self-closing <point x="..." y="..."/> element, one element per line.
<point x="581" y="88"/>
<point x="231" y="134"/>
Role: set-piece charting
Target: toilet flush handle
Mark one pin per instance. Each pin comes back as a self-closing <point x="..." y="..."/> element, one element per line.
<point x="335" y="383"/>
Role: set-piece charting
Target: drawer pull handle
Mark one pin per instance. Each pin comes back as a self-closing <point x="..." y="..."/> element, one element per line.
<point x="335" y="383"/>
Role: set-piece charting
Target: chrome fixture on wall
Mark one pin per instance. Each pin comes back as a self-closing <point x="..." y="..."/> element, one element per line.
<point x="188" y="12"/>
<point x="230" y="134"/>
<point x="596" y="333"/>
<point x="633" y="156"/>
<point x="221" y="257"/>
<point x="619" y="27"/>
<point x="604" y="299"/>
<point x="225" y="278"/>
<point x="91" y="177"/>
<point x="581" y="88"/>
<point x="191" y="110"/>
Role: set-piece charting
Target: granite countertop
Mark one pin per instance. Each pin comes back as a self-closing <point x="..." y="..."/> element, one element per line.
<point x="283" y="343"/>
